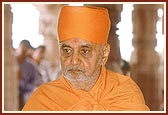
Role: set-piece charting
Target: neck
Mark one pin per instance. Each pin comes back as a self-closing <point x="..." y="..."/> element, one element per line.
<point x="21" y="59"/>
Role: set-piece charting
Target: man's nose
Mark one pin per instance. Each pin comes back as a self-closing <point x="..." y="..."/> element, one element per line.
<point x="76" y="59"/>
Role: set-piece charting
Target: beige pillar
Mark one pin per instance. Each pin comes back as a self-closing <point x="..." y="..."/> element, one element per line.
<point x="10" y="65"/>
<point x="48" y="28"/>
<point x="144" y="59"/>
<point x="114" y="59"/>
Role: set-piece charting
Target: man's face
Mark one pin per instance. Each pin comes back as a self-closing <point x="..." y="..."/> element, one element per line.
<point x="39" y="54"/>
<point x="81" y="60"/>
<point x="24" y="50"/>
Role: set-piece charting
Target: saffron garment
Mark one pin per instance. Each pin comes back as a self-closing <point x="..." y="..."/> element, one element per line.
<point x="112" y="92"/>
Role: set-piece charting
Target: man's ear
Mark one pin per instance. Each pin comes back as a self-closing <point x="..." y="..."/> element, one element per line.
<point x="106" y="51"/>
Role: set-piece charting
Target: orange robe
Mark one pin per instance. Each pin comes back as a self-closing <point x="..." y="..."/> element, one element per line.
<point x="112" y="92"/>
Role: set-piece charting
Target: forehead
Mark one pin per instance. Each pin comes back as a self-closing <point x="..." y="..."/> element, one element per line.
<point x="76" y="42"/>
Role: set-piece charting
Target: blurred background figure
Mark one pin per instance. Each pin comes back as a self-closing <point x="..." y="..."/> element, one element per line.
<point x="38" y="61"/>
<point x="125" y="67"/>
<point x="27" y="73"/>
<point x="54" y="70"/>
<point x="33" y="69"/>
<point x="24" y="50"/>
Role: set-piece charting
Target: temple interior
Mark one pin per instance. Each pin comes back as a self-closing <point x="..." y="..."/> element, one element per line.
<point x="137" y="40"/>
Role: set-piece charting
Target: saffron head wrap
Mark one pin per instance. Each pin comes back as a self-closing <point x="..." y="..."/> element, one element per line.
<point x="88" y="23"/>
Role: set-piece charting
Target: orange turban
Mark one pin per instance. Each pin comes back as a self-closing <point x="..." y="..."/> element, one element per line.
<point x="88" y="23"/>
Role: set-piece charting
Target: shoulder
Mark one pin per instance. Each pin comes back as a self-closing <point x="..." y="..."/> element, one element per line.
<point x="30" y="61"/>
<point x="119" y="78"/>
<point x="126" y="91"/>
<point x="123" y="83"/>
<point x="47" y="96"/>
<point x="52" y="87"/>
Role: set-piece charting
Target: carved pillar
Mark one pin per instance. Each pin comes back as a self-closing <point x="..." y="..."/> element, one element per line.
<point x="144" y="59"/>
<point x="10" y="65"/>
<point x="114" y="59"/>
<point x="48" y="28"/>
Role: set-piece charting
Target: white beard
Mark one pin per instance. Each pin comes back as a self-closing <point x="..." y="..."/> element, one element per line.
<point x="81" y="80"/>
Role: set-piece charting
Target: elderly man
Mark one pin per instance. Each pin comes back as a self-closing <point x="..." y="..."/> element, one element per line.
<point x="85" y="83"/>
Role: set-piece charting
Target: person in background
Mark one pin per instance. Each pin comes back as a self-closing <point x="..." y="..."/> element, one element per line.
<point x="125" y="67"/>
<point x="54" y="70"/>
<point x="27" y="72"/>
<point x="85" y="84"/>
<point x="38" y="61"/>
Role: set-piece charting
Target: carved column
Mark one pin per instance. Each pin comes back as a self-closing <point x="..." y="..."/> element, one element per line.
<point x="10" y="65"/>
<point x="144" y="59"/>
<point x="48" y="28"/>
<point x="114" y="59"/>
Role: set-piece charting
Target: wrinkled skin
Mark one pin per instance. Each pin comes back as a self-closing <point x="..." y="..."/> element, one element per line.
<point x="81" y="62"/>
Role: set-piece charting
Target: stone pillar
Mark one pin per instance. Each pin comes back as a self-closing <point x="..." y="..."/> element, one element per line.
<point x="10" y="65"/>
<point x="48" y="28"/>
<point x="114" y="59"/>
<point x="144" y="59"/>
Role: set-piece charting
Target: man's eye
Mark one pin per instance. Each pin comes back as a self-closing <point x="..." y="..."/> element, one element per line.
<point x="67" y="51"/>
<point x="85" y="51"/>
